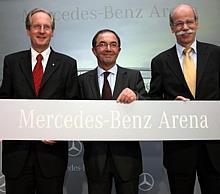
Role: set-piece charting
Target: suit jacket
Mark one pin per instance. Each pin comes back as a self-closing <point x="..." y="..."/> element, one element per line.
<point x="126" y="155"/>
<point x="168" y="82"/>
<point x="59" y="82"/>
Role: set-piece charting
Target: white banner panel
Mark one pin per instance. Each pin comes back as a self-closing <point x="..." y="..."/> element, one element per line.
<point x="108" y="120"/>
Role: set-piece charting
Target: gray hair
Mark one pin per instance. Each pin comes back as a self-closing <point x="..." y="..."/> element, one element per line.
<point x="171" y="13"/>
<point x="28" y="20"/>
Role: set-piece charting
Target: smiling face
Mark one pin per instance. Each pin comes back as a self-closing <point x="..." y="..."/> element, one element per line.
<point x="40" y="31"/>
<point x="106" y="50"/>
<point x="184" y="25"/>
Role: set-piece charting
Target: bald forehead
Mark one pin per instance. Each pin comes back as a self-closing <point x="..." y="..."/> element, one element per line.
<point x="182" y="8"/>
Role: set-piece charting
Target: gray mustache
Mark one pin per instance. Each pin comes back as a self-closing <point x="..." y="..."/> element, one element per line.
<point x="185" y="32"/>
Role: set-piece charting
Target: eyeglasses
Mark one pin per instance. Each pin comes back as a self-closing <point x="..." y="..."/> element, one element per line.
<point x="104" y="45"/>
<point x="39" y="27"/>
<point x="180" y="24"/>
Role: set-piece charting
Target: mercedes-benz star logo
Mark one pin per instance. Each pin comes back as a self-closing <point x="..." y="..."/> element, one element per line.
<point x="75" y="148"/>
<point x="2" y="183"/>
<point x="146" y="182"/>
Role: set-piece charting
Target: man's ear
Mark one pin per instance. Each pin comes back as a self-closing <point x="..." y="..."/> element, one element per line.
<point x="94" y="51"/>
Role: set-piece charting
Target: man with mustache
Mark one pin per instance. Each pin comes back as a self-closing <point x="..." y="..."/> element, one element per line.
<point x="184" y="159"/>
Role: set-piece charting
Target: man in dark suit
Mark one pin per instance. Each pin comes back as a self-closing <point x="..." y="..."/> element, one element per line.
<point x="105" y="161"/>
<point x="184" y="159"/>
<point x="37" y="167"/>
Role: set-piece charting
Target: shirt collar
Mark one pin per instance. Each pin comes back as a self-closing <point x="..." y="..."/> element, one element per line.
<point x="113" y="70"/>
<point x="180" y="48"/>
<point x="45" y="53"/>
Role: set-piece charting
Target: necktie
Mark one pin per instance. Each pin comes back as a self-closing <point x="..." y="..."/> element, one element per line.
<point x="106" y="90"/>
<point x="38" y="73"/>
<point x="189" y="71"/>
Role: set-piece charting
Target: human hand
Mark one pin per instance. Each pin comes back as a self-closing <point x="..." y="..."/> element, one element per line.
<point x="182" y="98"/>
<point x="49" y="142"/>
<point x="126" y="96"/>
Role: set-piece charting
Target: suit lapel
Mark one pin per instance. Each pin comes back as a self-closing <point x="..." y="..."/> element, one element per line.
<point x="26" y="68"/>
<point x="52" y="65"/>
<point x="93" y="84"/>
<point x="202" y="58"/>
<point x="175" y="67"/>
<point x="174" y="64"/>
<point x="119" y="83"/>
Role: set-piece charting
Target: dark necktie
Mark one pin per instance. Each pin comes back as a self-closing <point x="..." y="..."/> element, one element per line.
<point x="106" y="90"/>
<point x="38" y="73"/>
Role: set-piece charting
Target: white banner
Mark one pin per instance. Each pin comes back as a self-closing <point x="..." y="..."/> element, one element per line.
<point x="108" y="120"/>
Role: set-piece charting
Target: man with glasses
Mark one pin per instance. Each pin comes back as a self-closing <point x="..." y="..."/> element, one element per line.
<point x="190" y="70"/>
<point x="37" y="167"/>
<point x="107" y="161"/>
